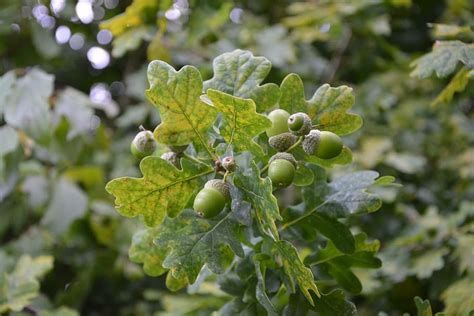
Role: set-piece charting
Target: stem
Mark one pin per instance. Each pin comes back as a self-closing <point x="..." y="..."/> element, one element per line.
<point x="300" y="139"/>
<point x="225" y="176"/>
<point x="197" y="160"/>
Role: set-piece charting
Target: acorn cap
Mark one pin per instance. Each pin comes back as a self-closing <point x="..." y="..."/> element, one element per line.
<point x="228" y="163"/>
<point x="285" y="156"/>
<point x="145" y="142"/>
<point x="219" y="185"/>
<point x="311" y="141"/>
<point x="300" y="119"/>
<point x="283" y="141"/>
<point x="172" y="158"/>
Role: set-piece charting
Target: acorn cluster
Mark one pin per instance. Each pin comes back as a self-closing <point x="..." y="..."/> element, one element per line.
<point x="286" y="132"/>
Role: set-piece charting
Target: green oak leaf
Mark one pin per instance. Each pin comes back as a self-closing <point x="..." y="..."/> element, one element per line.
<point x="189" y="241"/>
<point x="143" y="250"/>
<point x="327" y="108"/>
<point x="20" y="286"/>
<point x="292" y="98"/>
<point x="331" y="304"/>
<point x="303" y="176"/>
<point x="240" y="121"/>
<point x="339" y="264"/>
<point x="163" y="189"/>
<point x="423" y="307"/>
<point x="240" y="74"/>
<point x="345" y="195"/>
<point x="296" y="270"/>
<point x="259" y="192"/>
<point x="176" y="94"/>
<point x="443" y="59"/>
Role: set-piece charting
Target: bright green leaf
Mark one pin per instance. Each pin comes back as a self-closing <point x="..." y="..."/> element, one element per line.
<point x="457" y="84"/>
<point x="240" y="121"/>
<point x="163" y="189"/>
<point x="292" y="97"/>
<point x="240" y="74"/>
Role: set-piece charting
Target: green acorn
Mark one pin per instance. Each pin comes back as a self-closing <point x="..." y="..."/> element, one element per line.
<point x="229" y="163"/>
<point x="311" y="141"/>
<point x="211" y="200"/>
<point x="281" y="169"/>
<point x="279" y="120"/>
<point x="300" y="124"/>
<point x="322" y="144"/>
<point x="172" y="158"/>
<point x="143" y="144"/>
<point x="283" y="141"/>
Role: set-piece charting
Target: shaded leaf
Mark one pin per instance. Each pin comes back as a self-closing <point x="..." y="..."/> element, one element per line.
<point x="261" y="292"/>
<point x="443" y="59"/>
<point x="331" y="304"/>
<point x="240" y="121"/>
<point x="259" y="192"/>
<point x="30" y="111"/>
<point x="240" y="74"/>
<point x="163" y="189"/>
<point x="68" y="203"/>
<point x="304" y="176"/>
<point x="176" y="94"/>
<point x="296" y="270"/>
<point x="344" y="158"/>
<point x="62" y="311"/>
<point x="188" y="241"/>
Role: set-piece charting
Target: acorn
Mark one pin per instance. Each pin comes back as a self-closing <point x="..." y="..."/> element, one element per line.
<point x="211" y="200"/>
<point x="172" y="158"/>
<point x="322" y="144"/>
<point x="283" y="141"/>
<point x="229" y="163"/>
<point x="282" y="169"/>
<point x="300" y="124"/>
<point x="311" y="141"/>
<point x="143" y="144"/>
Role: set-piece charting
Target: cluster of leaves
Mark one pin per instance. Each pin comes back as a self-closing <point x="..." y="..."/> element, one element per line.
<point x="255" y="245"/>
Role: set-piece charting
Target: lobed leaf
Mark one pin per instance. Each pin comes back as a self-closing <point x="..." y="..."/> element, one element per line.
<point x="240" y="74"/>
<point x="188" y="241"/>
<point x="443" y="59"/>
<point x="240" y="121"/>
<point x="163" y="189"/>
<point x="185" y="118"/>
<point x="333" y="303"/>
<point x="327" y="108"/>
<point x="459" y="297"/>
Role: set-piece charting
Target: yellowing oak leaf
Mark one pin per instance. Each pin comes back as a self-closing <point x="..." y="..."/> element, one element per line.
<point x="176" y="94"/>
<point x="163" y="189"/>
<point x="240" y="121"/>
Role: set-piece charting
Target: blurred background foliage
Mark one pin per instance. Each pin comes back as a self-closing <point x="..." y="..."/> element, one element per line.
<point x="71" y="99"/>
